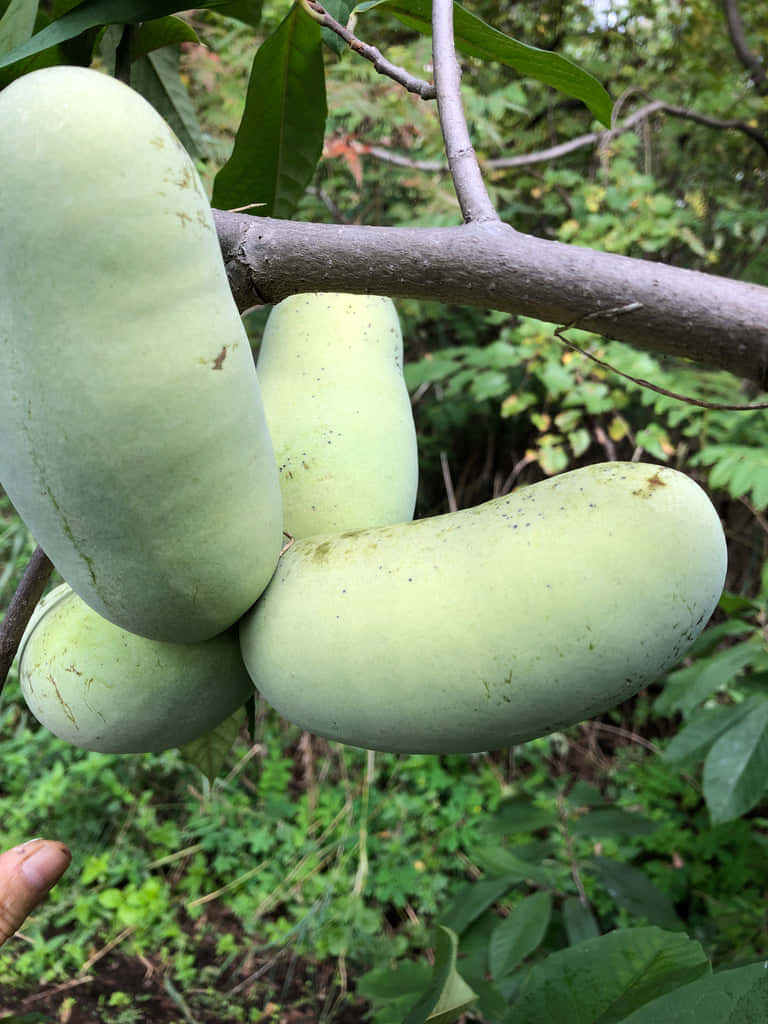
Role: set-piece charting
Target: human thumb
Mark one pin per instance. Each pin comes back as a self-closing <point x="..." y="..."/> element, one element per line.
<point x="27" y="873"/>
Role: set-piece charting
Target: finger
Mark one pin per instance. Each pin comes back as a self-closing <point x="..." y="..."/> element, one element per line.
<point x="27" y="873"/>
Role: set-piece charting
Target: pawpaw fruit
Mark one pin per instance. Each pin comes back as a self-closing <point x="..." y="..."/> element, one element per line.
<point x="330" y="368"/>
<point x="102" y="688"/>
<point x="494" y="625"/>
<point x="133" y="440"/>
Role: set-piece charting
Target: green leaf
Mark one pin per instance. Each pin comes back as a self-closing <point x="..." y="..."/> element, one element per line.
<point x="474" y="37"/>
<point x="340" y="10"/>
<point x="89" y="14"/>
<point x="497" y="860"/>
<point x="160" y="32"/>
<point x="156" y="77"/>
<point x="474" y="899"/>
<point x="280" y="138"/>
<point x="633" y="890"/>
<point x="603" y="980"/>
<point x="704" y="727"/>
<point x="518" y="814"/>
<point x="687" y="687"/>
<point x="448" y="995"/>
<point x="95" y="13"/>
<point x="736" y="768"/>
<point x="209" y="753"/>
<point x="17" y="24"/>
<point x="519" y="934"/>
<point x="247" y="11"/>
<point x="579" y="921"/>
<point x="383" y="982"/>
<point x="739" y="996"/>
<point x="612" y="821"/>
<point x="489" y="384"/>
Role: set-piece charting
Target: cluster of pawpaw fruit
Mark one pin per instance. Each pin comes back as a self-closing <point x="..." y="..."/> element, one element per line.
<point x="160" y="468"/>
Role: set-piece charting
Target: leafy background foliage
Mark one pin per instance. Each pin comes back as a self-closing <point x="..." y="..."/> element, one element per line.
<point x="613" y="872"/>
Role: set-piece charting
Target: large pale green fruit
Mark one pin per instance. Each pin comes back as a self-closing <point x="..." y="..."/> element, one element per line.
<point x="331" y="373"/>
<point x="101" y="688"/>
<point x="493" y="625"/>
<point x="132" y="433"/>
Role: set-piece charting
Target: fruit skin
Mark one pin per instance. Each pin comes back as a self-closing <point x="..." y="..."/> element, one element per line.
<point x="132" y="434"/>
<point x="101" y="688"/>
<point x="494" y="625"/>
<point x="331" y="374"/>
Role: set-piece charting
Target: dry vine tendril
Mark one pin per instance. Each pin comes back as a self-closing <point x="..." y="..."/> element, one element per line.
<point x="640" y="381"/>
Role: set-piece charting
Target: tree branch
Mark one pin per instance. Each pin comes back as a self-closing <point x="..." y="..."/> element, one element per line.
<point x="28" y="593"/>
<point x="578" y="142"/>
<point x="738" y="35"/>
<point x="384" y="67"/>
<point x="470" y="188"/>
<point x="713" y="320"/>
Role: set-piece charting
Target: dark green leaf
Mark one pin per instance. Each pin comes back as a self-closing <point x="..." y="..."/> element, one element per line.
<point x="686" y="688"/>
<point x="497" y="860"/>
<point x="584" y="794"/>
<point x="518" y="815"/>
<point x="280" y="138"/>
<point x="473" y="899"/>
<point x="704" y="727"/>
<point x="209" y="753"/>
<point x="739" y="996"/>
<point x="475" y="37"/>
<point x="17" y="24"/>
<point x="579" y="921"/>
<point x="448" y="994"/>
<point x="247" y="11"/>
<point x="87" y="15"/>
<point x="603" y="980"/>
<point x="408" y="979"/>
<point x="519" y="934"/>
<point x="340" y="10"/>
<point x="612" y="821"/>
<point x="633" y="890"/>
<point x="156" y="77"/>
<point x="736" y="768"/>
<point x="153" y="35"/>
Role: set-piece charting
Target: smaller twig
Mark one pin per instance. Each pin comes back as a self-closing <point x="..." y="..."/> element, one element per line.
<point x="28" y="593"/>
<point x="419" y="86"/>
<point x="447" y="480"/>
<point x="738" y="35"/>
<point x="640" y="381"/>
<point x="575" y="875"/>
<point x="475" y="203"/>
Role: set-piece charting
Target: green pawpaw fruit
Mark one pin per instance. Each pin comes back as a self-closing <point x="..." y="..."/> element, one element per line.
<point x="132" y="433"/>
<point x="490" y="626"/>
<point x="331" y="373"/>
<point x="102" y="688"/>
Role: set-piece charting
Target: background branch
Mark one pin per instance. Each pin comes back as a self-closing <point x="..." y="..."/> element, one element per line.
<point x="470" y="188"/>
<point x="579" y="142"/>
<point x="713" y="320"/>
<point x="738" y="35"/>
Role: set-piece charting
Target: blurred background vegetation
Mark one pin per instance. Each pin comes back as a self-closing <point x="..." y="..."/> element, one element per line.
<point x="272" y="893"/>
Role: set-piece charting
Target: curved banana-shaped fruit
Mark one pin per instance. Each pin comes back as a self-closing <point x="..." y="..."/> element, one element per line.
<point x="132" y="434"/>
<point x="331" y="373"/>
<point x="490" y="626"/>
<point x="101" y="688"/>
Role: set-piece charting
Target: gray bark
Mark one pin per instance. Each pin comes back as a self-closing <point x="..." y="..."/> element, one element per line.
<point x="712" y="320"/>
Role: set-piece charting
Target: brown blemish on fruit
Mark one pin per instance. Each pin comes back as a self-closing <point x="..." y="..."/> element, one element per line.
<point x="321" y="551"/>
<point x="67" y="709"/>
<point x="651" y="484"/>
<point x="219" y="360"/>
